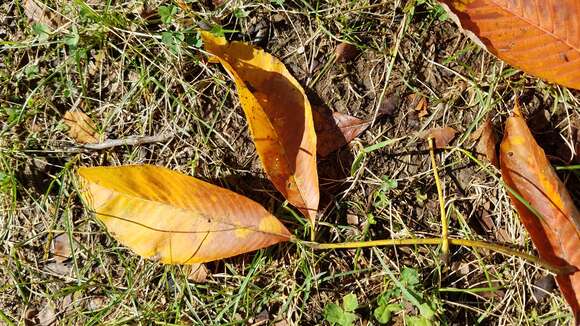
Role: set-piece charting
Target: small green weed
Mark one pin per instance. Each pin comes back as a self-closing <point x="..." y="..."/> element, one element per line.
<point x="409" y="289"/>
<point x="343" y="316"/>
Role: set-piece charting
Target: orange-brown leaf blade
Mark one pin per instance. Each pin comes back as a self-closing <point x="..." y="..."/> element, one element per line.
<point x="81" y="128"/>
<point x="279" y="117"/>
<point x="539" y="37"/>
<point x="167" y="216"/>
<point x="556" y="234"/>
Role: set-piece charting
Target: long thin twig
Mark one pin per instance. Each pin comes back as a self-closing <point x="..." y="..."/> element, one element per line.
<point x="129" y="141"/>
<point x="437" y="241"/>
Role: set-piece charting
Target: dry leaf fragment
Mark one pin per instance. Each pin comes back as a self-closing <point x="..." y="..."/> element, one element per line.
<point x="345" y="52"/>
<point x="335" y="129"/>
<point x="176" y="219"/>
<point x="61" y="248"/>
<point x="556" y="231"/>
<point x="198" y="273"/>
<point x="279" y="117"/>
<point x="39" y="13"/>
<point x="421" y="106"/>
<point x="487" y="142"/>
<point x="442" y="136"/>
<point x="82" y="128"/>
<point x="539" y="37"/>
<point x="59" y="268"/>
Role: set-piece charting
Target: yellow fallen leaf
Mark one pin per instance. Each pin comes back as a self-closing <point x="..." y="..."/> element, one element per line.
<point x="167" y="216"/>
<point x="82" y="128"/>
<point x="279" y="116"/>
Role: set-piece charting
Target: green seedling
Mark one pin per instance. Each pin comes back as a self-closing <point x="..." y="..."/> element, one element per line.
<point x="342" y="316"/>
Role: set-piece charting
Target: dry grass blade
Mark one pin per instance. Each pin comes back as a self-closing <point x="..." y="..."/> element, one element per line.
<point x="176" y="219"/>
<point x="551" y="218"/>
<point x="540" y="37"/>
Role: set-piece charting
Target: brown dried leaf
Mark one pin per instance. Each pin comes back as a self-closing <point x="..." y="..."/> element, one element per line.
<point x="487" y="142"/>
<point x="442" y="136"/>
<point x="61" y="248"/>
<point x="82" y="128"/>
<point x="334" y="130"/>
<point x="198" y="273"/>
<point x="345" y="52"/>
<point x="39" y="13"/>
<point x="422" y="107"/>
<point x="554" y="225"/>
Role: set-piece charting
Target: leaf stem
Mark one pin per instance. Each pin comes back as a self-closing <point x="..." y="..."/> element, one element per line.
<point x="444" y="223"/>
<point x="437" y="241"/>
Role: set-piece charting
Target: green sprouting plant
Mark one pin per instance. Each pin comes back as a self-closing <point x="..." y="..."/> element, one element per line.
<point x="408" y="288"/>
<point x="166" y="13"/>
<point x="42" y="31"/>
<point x="381" y="198"/>
<point x="172" y="40"/>
<point x="342" y="316"/>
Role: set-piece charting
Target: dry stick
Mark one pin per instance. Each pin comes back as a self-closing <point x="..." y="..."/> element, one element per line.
<point x="437" y="241"/>
<point x="129" y="141"/>
<point x="444" y="224"/>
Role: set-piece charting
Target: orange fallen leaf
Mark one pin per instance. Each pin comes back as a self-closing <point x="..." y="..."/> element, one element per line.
<point x="539" y="37"/>
<point x="173" y="218"/>
<point x="487" y="142"/>
<point x="555" y="230"/>
<point x="345" y="52"/>
<point x="279" y="117"/>
<point x="335" y="129"/>
<point x="82" y="128"/>
<point x="442" y="136"/>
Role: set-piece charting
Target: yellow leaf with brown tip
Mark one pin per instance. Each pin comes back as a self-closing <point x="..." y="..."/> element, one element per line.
<point x="279" y="116"/>
<point x="164" y="215"/>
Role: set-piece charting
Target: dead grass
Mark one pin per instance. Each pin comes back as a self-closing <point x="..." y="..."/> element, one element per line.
<point x="132" y="79"/>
